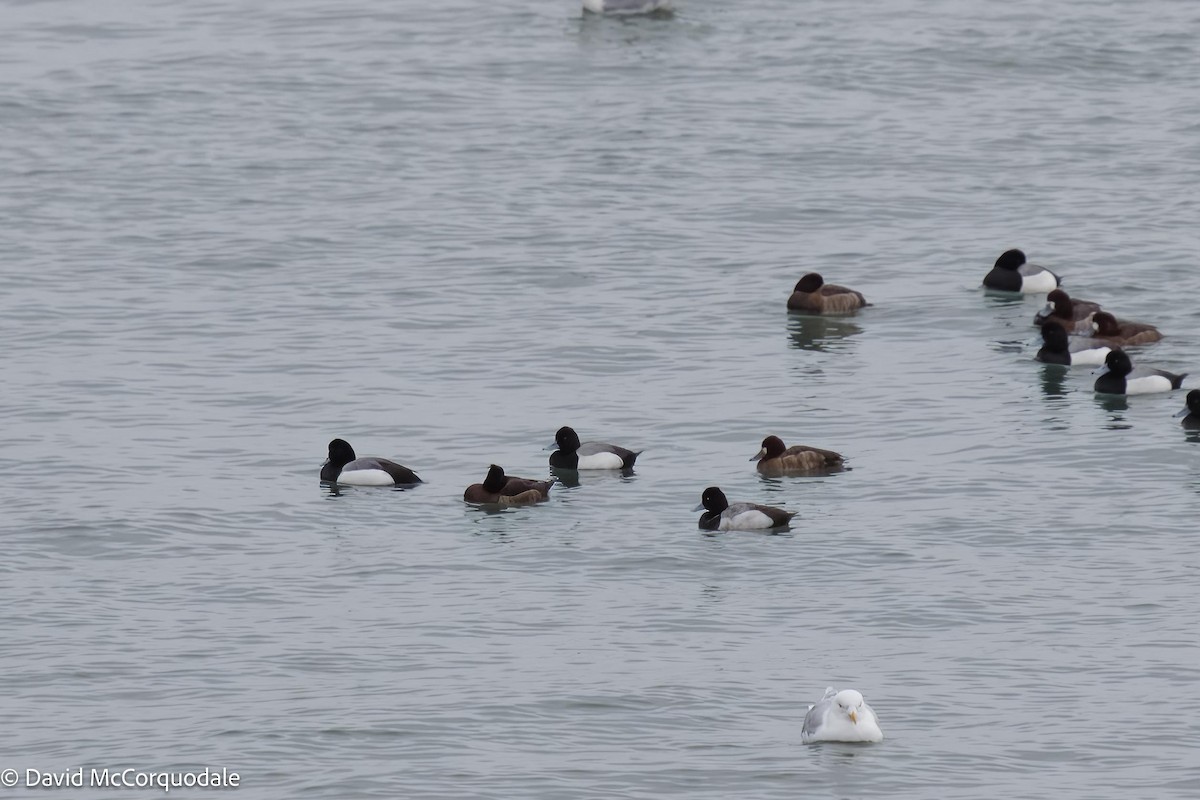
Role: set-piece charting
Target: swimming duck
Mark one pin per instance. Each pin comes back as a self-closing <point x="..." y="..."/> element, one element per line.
<point x="572" y="454"/>
<point x="1012" y="273"/>
<point x="500" y="489"/>
<point x="626" y="6"/>
<point x="1059" y="349"/>
<point x="1191" y="412"/>
<point x="815" y="296"/>
<point x="343" y="467"/>
<point x="1119" y="377"/>
<point x="721" y="516"/>
<point x="1122" y="333"/>
<point x="1074" y="315"/>
<point x="840" y="717"/>
<point x="776" y="459"/>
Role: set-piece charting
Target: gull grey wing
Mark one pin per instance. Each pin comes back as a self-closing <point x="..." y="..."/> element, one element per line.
<point x="814" y="720"/>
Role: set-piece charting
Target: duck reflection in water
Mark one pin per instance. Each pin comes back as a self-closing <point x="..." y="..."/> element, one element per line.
<point x="1001" y="300"/>
<point x="819" y="333"/>
<point x="1054" y="380"/>
<point x="1116" y="405"/>
<point x="491" y="510"/>
<point x="570" y="478"/>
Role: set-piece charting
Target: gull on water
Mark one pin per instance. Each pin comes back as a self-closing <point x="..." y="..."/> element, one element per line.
<point x="626" y="6"/>
<point x="840" y="717"/>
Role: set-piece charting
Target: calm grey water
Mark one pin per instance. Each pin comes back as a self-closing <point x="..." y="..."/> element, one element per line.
<point x="233" y="231"/>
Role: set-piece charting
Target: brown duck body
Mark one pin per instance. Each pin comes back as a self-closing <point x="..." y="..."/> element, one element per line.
<point x="1122" y="333"/>
<point x="506" y="490"/>
<point x="516" y="487"/>
<point x="815" y="296"/>
<point x="477" y="494"/>
<point x="774" y="459"/>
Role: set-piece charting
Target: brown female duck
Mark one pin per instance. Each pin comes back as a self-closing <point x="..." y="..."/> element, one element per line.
<point x="500" y="489"/>
<point x="1074" y="315"/>
<point x="1122" y="333"/>
<point x="815" y="296"/>
<point x="776" y="459"/>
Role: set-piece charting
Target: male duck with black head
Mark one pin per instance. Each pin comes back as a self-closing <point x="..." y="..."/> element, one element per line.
<point x="1012" y="273"/>
<point x="721" y="515"/>
<point x="573" y="454"/>
<point x="1119" y="377"/>
<point x="1191" y="412"/>
<point x="505" y="490"/>
<point x="814" y="296"/>
<point x="775" y="459"/>
<point x="1058" y="348"/>
<point x="344" y="468"/>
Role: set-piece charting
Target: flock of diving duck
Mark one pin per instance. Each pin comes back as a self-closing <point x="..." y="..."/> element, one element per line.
<point x="1074" y="332"/>
<point x="1099" y="336"/>
<point x="344" y="467"/>
<point x="1079" y="332"/>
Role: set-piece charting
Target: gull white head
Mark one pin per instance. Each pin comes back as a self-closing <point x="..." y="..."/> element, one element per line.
<point x="849" y="704"/>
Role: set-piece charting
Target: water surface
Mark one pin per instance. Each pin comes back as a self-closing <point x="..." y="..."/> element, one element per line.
<point x="233" y="232"/>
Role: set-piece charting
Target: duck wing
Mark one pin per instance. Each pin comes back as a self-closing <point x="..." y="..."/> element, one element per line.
<point x="807" y="456"/>
<point x="628" y="457"/>
<point x="841" y="298"/>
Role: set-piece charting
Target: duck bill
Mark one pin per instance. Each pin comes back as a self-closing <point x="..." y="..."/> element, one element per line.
<point x="760" y="455"/>
<point x="699" y="507"/>
<point x="551" y="446"/>
<point x="1183" y="413"/>
<point x="1102" y="371"/>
